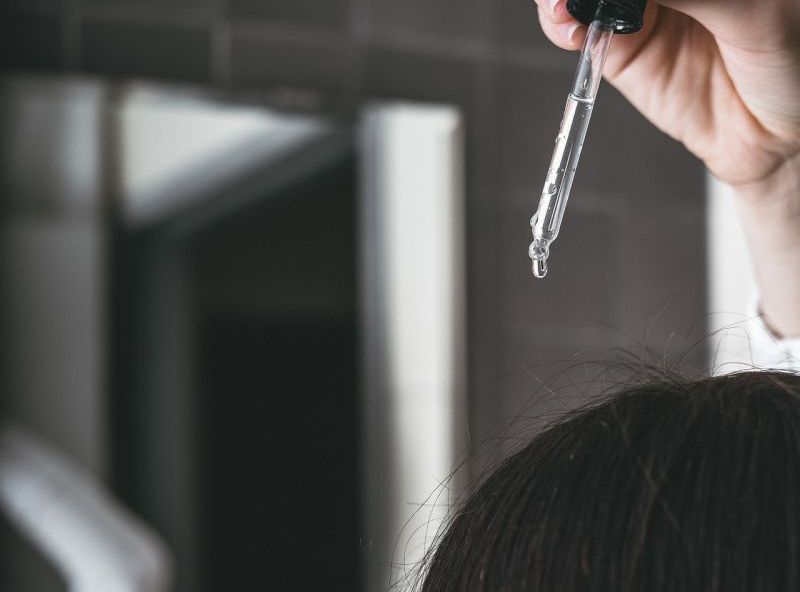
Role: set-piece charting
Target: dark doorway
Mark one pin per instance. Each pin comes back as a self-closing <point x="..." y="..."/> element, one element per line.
<point x="276" y="370"/>
<point x="236" y="417"/>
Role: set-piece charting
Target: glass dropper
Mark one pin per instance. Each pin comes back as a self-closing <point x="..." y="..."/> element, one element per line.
<point x="547" y="220"/>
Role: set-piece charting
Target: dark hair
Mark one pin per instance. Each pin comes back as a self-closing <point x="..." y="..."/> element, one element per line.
<point x="671" y="486"/>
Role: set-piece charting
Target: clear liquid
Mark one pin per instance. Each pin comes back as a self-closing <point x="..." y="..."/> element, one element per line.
<point x="558" y="184"/>
<point x="546" y="223"/>
<point x="561" y="173"/>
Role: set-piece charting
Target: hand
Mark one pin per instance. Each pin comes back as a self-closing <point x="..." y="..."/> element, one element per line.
<point x="721" y="76"/>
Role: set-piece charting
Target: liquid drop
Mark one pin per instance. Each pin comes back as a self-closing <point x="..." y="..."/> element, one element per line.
<point x="540" y="268"/>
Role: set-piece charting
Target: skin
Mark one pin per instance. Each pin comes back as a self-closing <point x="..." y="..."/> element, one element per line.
<point x="723" y="78"/>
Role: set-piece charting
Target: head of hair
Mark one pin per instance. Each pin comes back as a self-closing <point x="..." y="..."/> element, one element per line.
<point x="673" y="485"/>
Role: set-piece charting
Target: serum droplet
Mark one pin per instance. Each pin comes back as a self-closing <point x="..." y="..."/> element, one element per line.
<point x="540" y="268"/>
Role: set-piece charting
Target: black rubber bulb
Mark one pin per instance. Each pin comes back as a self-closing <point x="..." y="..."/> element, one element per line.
<point x="623" y="16"/>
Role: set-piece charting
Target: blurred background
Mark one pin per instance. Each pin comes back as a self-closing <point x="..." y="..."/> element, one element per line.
<point x="264" y="277"/>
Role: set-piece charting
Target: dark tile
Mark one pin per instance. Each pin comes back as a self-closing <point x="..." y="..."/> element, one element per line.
<point x="518" y="26"/>
<point x="155" y="5"/>
<point x="400" y="74"/>
<point x="576" y="302"/>
<point x="661" y="293"/>
<point x="314" y="66"/>
<point x="484" y="412"/>
<point x="327" y="13"/>
<point x="530" y="107"/>
<point x="539" y="383"/>
<point x="449" y="19"/>
<point x="634" y="158"/>
<point x="634" y="283"/>
<point x="624" y="157"/>
<point x="30" y="5"/>
<point x="147" y="50"/>
<point x="482" y="244"/>
<point x="30" y="42"/>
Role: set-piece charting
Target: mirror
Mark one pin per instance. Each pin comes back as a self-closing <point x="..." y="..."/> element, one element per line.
<point x="252" y="322"/>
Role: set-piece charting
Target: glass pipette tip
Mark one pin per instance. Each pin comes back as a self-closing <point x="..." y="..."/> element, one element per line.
<point x="546" y="223"/>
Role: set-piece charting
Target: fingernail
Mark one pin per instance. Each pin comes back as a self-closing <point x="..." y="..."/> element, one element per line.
<point x="571" y="31"/>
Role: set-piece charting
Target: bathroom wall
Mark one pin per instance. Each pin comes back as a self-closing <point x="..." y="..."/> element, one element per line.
<point x="629" y="268"/>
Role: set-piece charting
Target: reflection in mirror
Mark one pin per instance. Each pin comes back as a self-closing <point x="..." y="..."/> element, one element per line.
<point x="178" y="149"/>
<point x="247" y="325"/>
<point x="236" y="364"/>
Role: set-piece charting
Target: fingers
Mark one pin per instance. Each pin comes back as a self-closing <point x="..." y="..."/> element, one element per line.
<point x="559" y="26"/>
<point x="567" y="33"/>
<point x="737" y="22"/>
<point x="556" y="10"/>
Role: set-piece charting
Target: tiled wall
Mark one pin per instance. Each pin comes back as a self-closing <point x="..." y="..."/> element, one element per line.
<point x="630" y="263"/>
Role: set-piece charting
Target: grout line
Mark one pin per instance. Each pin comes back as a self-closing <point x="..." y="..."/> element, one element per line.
<point x="148" y="16"/>
<point x="358" y="37"/>
<point x="71" y="26"/>
<point x="612" y="203"/>
<point x="311" y="34"/>
<point x="488" y="28"/>
<point x="220" y="33"/>
<point x="359" y="19"/>
<point x="358" y="33"/>
<point x="484" y="133"/>
<point x="430" y="44"/>
<point x="544" y="60"/>
<point x="35" y="10"/>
